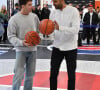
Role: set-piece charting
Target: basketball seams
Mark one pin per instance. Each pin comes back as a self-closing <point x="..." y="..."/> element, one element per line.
<point x="42" y="26"/>
<point x="46" y="26"/>
<point x="51" y="27"/>
<point x="50" y="23"/>
<point x="29" y="38"/>
<point x="36" y="37"/>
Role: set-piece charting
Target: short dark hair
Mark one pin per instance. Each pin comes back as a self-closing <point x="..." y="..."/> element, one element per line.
<point x="23" y="2"/>
<point x="16" y="4"/>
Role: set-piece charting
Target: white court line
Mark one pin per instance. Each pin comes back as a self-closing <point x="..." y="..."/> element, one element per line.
<point x="6" y="44"/>
<point x="6" y="74"/>
<point x="5" y="48"/>
<point x="34" y="88"/>
<point x="90" y="67"/>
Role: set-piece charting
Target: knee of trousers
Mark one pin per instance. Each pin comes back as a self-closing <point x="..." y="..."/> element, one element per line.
<point x="30" y="78"/>
<point x="71" y="78"/>
<point x="19" y="71"/>
<point x="53" y="76"/>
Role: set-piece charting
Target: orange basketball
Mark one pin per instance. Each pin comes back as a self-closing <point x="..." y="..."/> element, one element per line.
<point x="46" y="26"/>
<point x="32" y="38"/>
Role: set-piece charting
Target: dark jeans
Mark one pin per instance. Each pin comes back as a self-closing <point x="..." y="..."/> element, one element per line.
<point x="56" y="59"/>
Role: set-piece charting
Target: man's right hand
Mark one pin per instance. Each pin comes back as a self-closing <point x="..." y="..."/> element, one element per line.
<point x="25" y="43"/>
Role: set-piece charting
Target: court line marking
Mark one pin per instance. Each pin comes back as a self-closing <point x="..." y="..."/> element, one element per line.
<point x="39" y="88"/>
<point x="43" y="65"/>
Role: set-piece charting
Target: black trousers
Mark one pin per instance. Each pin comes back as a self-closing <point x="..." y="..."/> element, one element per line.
<point x="56" y="59"/>
<point x="5" y="33"/>
<point x="91" y="32"/>
<point x="98" y="35"/>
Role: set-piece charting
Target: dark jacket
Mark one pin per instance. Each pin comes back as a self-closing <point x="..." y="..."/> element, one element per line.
<point x="45" y="13"/>
<point x="15" y="11"/>
<point x="86" y="20"/>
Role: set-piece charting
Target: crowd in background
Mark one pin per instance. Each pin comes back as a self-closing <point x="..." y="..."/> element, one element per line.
<point x="4" y="21"/>
<point x="88" y="31"/>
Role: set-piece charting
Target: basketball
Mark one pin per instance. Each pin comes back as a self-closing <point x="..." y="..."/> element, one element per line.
<point x="46" y="26"/>
<point x="32" y="38"/>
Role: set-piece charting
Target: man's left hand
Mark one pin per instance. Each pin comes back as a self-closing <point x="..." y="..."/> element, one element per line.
<point x="56" y="25"/>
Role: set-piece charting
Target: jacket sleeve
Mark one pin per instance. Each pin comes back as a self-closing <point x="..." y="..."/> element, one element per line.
<point x="12" y="33"/>
<point x="97" y="18"/>
<point x="37" y="23"/>
<point x="85" y="18"/>
<point x="75" y="25"/>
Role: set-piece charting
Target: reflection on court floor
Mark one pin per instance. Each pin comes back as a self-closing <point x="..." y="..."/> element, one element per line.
<point x="87" y="76"/>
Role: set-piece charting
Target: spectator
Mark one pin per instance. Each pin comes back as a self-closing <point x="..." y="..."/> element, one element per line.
<point x="37" y="11"/>
<point x="16" y="9"/>
<point x="4" y="17"/>
<point x="90" y="22"/>
<point x="45" y="14"/>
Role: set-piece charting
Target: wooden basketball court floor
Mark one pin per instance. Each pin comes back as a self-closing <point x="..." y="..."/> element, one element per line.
<point x="87" y="72"/>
